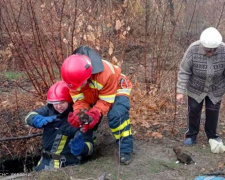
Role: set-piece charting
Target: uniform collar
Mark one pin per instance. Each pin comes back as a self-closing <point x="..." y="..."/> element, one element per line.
<point x="96" y="60"/>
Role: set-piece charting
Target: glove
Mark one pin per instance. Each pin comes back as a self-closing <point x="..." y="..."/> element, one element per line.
<point x="39" y="121"/>
<point x="77" y="144"/>
<point x="95" y="116"/>
<point x="216" y="145"/>
<point x="73" y="119"/>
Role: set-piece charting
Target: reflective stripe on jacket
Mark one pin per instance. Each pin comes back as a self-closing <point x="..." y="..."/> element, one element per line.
<point x="57" y="134"/>
<point x="101" y="89"/>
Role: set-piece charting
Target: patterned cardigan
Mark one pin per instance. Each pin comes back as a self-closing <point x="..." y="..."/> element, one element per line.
<point x="202" y="76"/>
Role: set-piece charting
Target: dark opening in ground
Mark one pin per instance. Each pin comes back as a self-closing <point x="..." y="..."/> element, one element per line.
<point x="19" y="165"/>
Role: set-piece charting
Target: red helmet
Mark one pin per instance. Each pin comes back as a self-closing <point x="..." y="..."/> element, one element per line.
<point x="75" y="70"/>
<point x="58" y="92"/>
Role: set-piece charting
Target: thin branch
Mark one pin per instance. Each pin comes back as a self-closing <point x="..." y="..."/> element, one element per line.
<point x="170" y="39"/>
<point x="20" y="137"/>
<point x="60" y="29"/>
<point x="221" y="15"/>
<point x="175" y="102"/>
<point x="192" y="18"/>
<point x="42" y="50"/>
<point x="74" y="25"/>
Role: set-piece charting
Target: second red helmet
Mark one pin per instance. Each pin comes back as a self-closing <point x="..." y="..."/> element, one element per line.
<point x="75" y="70"/>
<point x="58" y="92"/>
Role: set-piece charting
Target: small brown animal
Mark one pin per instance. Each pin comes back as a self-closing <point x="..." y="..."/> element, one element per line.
<point x="84" y="118"/>
<point x="182" y="157"/>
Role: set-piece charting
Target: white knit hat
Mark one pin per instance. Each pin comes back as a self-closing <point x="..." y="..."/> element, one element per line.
<point x="211" y="38"/>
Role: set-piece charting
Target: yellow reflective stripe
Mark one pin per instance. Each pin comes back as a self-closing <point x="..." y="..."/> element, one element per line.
<point x="94" y="140"/>
<point x="56" y="164"/>
<point x="123" y="134"/>
<point x="95" y="85"/>
<point x="78" y="97"/>
<point x="61" y="144"/>
<point x="27" y="116"/>
<point x="110" y="66"/>
<point x="108" y="98"/>
<point x="90" y="148"/>
<point x="122" y="126"/>
<point x="124" y="91"/>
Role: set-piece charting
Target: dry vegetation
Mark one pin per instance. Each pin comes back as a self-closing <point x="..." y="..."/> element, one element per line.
<point x="147" y="38"/>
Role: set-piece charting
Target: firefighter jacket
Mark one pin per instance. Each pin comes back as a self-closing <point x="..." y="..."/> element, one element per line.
<point x="57" y="134"/>
<point x="105" y="83"/>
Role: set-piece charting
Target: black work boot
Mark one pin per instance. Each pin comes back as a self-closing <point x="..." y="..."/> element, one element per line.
<point x="125" y="158"/>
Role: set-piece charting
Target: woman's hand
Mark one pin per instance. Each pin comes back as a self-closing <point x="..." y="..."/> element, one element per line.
<point x="180" y="98"/>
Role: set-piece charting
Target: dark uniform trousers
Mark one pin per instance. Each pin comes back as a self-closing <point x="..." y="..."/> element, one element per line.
<point x="119" y="123"/>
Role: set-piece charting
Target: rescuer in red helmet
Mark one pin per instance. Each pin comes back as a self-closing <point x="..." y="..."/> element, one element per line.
<point x="97" y="88"/>
<point x="63" y="144"/>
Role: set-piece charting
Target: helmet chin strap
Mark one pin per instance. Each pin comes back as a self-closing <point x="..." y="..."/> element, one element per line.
<point x="87" y="66"/>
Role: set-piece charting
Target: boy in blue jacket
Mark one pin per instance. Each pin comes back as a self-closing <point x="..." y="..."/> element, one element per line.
<point x="63" y="144"/>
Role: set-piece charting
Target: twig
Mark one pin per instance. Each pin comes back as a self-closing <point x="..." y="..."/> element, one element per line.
<point x="192" y="17"/>
<point x="15" y="176"/>
<point x="221" y="15"/>
<point x="175" y="102"/>
<point x="7" y="150"/>
<point x="20" y="137"/>
<point x="102" y="177"/>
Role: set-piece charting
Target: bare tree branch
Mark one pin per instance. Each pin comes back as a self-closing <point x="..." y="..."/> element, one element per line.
<point x="20" y="137"/>
<point x="221" y="15"/>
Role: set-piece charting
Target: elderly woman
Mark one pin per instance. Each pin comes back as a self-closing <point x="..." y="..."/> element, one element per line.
<point x="202" y="78"/>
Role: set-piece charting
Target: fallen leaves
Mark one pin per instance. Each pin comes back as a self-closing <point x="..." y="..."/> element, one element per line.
<point x="147" y="117"/>
<point x="111" y="48"/>
<point x="157" y="135"/>
<point x="5" y="104"/>
<point x="118" y="25"/>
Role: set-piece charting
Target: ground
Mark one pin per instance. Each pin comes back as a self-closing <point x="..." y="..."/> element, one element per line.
<point x="152" y="159"/>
